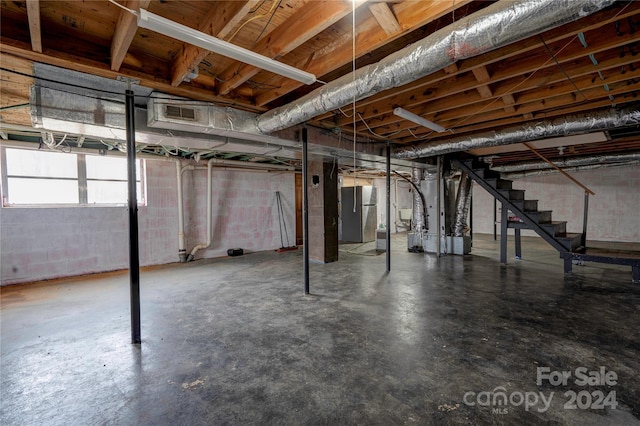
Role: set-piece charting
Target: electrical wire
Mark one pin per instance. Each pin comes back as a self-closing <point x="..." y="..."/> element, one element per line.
<point x="374" y="133"/>
<point x="544" y="43"/>
<point x="512" y="89"/>
<point x="353" y="82"/>
<point x="124" y="8"/>
<point x="253" y="19"/>
<point x="267" y="24"/>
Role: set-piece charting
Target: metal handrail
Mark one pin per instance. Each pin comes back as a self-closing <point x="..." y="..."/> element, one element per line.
<point x="552" y="164"/>
<point x="587" y="191"/>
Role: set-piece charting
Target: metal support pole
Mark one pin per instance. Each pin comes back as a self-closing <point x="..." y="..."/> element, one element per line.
<point x="495" y="219"/>
<point x="518" y="244"/>
<point x="305" y="211"/>
<point x="438" y="206"/>
<point x="503" y="234"/>
<point x="584" y="220"/>
<point x="388" y="207"/>
<point x="134" y="256"/>
<point x="471" y="217"/>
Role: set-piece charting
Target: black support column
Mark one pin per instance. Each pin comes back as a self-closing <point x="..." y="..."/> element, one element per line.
<point x="388" y="207"/>
<point x="134" y="259"/>
<point x="504" y="217"/>
<point x="305" y="211"/>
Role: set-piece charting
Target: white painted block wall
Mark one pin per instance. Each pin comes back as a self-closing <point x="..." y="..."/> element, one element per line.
<point x="46" y="243"/>
<point x="614" y="212"/>
<point x="245" y="213"/>
<point x="403" y="199"/>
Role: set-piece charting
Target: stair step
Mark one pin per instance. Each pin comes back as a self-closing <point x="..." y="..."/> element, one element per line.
<point x="474" y="163"/>
<point x="540" y="216"/>
<point x="486" y="173"/>
<point x="526" y="205"/>
<point x="498" y="183"/>
<point x="555" y="228"/>
<point x="512" y="194"/>
<point x="571" y="241"/>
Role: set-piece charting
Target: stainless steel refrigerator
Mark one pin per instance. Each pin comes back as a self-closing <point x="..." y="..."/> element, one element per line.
<point x="358" y="226"/>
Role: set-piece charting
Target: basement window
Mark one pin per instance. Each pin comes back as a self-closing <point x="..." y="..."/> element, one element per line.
<point x="45" y="178"/>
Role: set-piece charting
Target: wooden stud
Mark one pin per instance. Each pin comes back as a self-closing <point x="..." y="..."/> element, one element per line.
<point x="482" y="75"/>
<point x="451" y="69"/>
<point x="33" y="13"/>
<point x="385" y="17"/>
<point x="126" y="28"/>
<point x="411" y="15"/>
<point x="66" y="60"/>
<point x="509" y="103"/>
<point x="314" y="18"/>
<point x="221" y="20"/>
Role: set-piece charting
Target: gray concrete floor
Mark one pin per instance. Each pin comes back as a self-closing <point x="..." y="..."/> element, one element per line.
<point x="235" y="341"/>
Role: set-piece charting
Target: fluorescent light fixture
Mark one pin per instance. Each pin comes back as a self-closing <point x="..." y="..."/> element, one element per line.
<point x="400" y="112"/>
<point x="185" y="34"/>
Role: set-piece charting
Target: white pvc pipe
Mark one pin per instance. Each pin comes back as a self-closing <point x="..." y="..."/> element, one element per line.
<point x="247" y="164"/>
<point x="209" y="212"/>
<point x="182" y="251"/>
<point x="216" y="162"/>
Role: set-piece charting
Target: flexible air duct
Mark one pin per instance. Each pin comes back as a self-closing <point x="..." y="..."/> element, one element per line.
<point x="418" y="208"/>
<point x="568" y="125"/>
<point x="570" y="162"/>
<point x="519" y="175"/>
<point x="497" y="25"/>
<point x="463" y="200"/>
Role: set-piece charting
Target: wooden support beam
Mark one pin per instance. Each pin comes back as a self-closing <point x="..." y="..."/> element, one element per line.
<point x="410" y="14"/>
<point x="33" y="13"/>
<point x="309" y="21"/>
<point x="66" y="60"/>
<point x="126" y="28"/>
<point x="464" y="119"/>
<point x="482" y="75"/>
<point x="509" y="103"/>
<point x="504" y="81"/>
<point x="221" y="20"/>
<point x="521" y="61"/>
<point x="451" y="69"/>
<point x="385" y="17"/>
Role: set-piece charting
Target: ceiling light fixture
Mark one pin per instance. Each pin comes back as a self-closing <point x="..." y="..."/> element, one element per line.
<point x="186" y="34"/>
<point x="401" y="112"/>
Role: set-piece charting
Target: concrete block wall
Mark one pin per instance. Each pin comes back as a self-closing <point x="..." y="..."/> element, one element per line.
<point x="46" y="243"/>
<point x="245" y="212"/>
<point x="614" y="212"/>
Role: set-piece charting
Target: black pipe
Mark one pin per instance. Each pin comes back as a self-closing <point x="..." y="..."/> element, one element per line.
<point x="305" y="212"/>
<point x="388" y="207"/>
<point x="134" y="255"/>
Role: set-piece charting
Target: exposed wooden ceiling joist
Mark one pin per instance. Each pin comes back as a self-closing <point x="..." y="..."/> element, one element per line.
<point x="33" y="12"/>
<point x="124" y="32"/>
<point x="582" y="66"/>
<point x="219" y="23"/>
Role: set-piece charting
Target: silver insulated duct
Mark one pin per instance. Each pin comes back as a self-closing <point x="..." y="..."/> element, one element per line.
<point x="497" y="25"/>
<point x="570" y="162"/>
<point x="533" y="173"/>
<point x="418" y="207"/>
<point x="463" y="200"/>
<point x="535" y="130"/>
